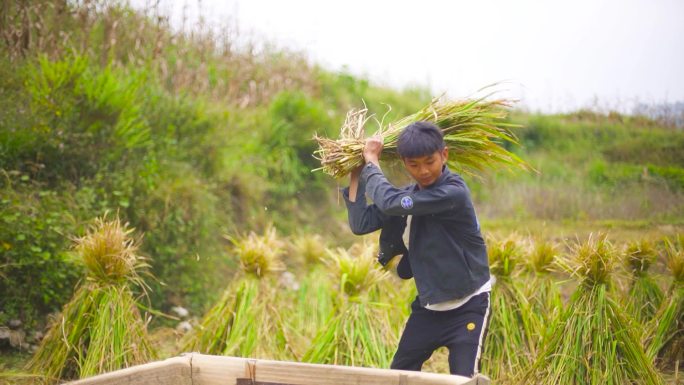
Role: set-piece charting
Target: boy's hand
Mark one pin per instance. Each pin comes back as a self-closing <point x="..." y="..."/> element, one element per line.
<point x="372" y="149"/>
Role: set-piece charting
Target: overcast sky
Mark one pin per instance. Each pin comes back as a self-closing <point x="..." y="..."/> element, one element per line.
<point x="553" y="55"/>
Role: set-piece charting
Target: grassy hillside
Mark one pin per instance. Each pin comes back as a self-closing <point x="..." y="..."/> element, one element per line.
<point x="591" y="167"/>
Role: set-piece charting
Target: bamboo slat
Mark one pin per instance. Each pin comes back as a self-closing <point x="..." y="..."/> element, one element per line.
<point x="200" y="369"/>
<point x="173" y="371"/>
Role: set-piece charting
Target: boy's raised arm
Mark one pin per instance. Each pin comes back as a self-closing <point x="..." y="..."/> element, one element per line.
<point x="363" y="219"/>
<point x="354" y="183"/>
<point x="394" y="201"/>
<point x="391" y="200"/>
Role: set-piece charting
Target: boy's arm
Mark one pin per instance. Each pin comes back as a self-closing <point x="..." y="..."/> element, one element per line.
<point x="394" y="201"/>
<point x="363" y="219"/>
<point x="354" y="183"/>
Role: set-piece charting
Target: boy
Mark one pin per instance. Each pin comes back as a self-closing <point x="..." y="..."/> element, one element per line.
<point x="446" y="257"/>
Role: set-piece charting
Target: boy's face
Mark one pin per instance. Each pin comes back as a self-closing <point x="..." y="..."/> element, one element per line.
<point x="426" y="169"/>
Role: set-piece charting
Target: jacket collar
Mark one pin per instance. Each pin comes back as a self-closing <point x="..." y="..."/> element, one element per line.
<point x="445" y="173"/>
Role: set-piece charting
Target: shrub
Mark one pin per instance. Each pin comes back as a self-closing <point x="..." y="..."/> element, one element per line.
<point x="37" y="275"/>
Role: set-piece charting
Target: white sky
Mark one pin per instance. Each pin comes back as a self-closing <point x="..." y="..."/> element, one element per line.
<point x="554" y="55"/>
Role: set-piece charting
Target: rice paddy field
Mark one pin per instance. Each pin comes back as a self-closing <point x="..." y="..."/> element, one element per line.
<point x="157" y="197"/>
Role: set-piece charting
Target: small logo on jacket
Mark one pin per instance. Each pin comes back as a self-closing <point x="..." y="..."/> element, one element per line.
<point x="406" y="202"/>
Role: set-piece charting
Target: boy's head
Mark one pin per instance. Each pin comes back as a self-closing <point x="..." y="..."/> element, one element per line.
<point x="421" y="147"/>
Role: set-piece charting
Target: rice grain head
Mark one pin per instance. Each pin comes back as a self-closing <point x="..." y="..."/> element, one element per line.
<point x="640" y="255"/>
<point x="110" y="252"/>
<point x="674" y="255"/>
<point x="542" y="256"/>
<point x="259" y="255"/>
<point x="505" y="254"/>
<point x="594" y="260"/>
<point x="356" y="269"/>
<point x="310" y="247"/>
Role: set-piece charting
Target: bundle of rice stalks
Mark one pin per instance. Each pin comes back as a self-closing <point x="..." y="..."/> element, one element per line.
<point x="356" y="269"/>
<point x="542" y="256"/>
<point x="644" y="296"/>
<point x="101" y="328"/>
<point x="474" y="131"/>
<point x="313" y="306"/>
<point x="593" y="341"/>
<point x="665" y="331"/>
<point x="359" y="332"/>
<point x="508" y="343"/>
<point x="313" y="300"/>
<point x="542" y="290"/>
<point x="391" y="289"/>
<point x="400" y="293"/>
<point x="259" y="255"/>
<point x="245" y="322"/>
<point x="310" y="248"/>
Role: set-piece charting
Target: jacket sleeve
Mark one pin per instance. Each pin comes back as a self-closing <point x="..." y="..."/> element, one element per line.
<point x="391" y="200"/>
<point x="391" y="239"/>
<point x="363" y="218"/>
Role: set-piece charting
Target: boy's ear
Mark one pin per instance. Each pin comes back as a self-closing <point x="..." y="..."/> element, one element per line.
<point x="445" y="154"/>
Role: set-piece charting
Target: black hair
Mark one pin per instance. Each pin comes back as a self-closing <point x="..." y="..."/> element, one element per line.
<point x="420" y="139"/>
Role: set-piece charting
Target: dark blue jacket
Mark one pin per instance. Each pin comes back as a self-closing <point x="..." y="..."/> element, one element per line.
<point x="447" y="254"/>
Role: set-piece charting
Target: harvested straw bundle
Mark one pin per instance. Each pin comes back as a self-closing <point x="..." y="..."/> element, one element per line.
<point x="644" y="296"/>
<point x="358" y="332"/>
<point x="308" y="248"/>
<point x="473" y="130"/>
<point x="396" y="291"/>
<point x="101" y="328"/>
<point x="507" y="348"/>
<point x="243" y="322"/>
<point x="665" y="331"/>
<point x="594" y="341"/>
<point x="313" y="304"/>
<point x="313" y="300"/>
<point x="259" y="255"/>
<point x="542" y="290"/>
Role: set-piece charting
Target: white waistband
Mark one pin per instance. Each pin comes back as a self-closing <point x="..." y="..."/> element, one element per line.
<point x="458" y="302"/>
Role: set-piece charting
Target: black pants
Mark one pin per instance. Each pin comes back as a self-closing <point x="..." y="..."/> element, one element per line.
<point x="461" y="330"/>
